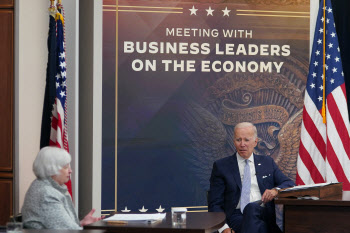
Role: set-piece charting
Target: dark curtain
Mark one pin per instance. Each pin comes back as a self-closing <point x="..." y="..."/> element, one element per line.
<point x="341" y="9"/>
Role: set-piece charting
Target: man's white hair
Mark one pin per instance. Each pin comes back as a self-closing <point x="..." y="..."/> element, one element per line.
<point x="245" y="125"/>
<point x="49" y="161"/>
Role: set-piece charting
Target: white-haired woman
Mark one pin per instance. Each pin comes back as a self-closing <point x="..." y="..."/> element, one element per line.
<point x="47" y="204"/>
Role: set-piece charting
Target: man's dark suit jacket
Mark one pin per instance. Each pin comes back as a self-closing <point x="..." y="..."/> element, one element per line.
<point x="226" y="185"/>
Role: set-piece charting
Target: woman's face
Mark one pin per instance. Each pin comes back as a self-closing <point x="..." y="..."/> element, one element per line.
<point x="64" y="175"/>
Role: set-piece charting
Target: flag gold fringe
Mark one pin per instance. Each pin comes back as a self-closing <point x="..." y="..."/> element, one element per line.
<point x="60" y="16"/>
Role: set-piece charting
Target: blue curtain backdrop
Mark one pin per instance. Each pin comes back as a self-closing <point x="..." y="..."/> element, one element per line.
<point x="342" y="21"/>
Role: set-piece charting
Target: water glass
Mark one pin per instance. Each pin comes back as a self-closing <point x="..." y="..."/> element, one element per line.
<point x="178" y="216"/>
<point x="14" y="227"/>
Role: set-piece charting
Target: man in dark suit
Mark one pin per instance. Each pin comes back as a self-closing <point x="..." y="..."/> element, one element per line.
<point x="243" y="186"/>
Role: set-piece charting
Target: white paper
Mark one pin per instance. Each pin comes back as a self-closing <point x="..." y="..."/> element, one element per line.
<point x="136" y="217"/>
<point x="300" y="187"/>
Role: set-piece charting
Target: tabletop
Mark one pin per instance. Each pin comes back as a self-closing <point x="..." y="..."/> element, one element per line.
<point x="196" y="222"/>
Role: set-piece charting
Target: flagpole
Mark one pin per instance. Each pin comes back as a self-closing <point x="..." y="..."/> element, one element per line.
<point x="324" y="64"/>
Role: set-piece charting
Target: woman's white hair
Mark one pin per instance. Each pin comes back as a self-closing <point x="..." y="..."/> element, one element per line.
<point x="49" y="161"/>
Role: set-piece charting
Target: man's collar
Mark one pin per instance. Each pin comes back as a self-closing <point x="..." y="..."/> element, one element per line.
<point x="240" y="159"/>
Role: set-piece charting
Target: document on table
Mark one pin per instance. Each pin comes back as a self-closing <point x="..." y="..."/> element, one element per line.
<point x="136" y="217"/>
<point x="300" y="187"/>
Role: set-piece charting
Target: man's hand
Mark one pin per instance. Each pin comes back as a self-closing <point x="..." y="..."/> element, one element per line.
<point x="268" y="195"/>
<point x="228" y="230"/>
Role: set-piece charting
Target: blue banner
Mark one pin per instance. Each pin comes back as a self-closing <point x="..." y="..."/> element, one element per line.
<point x="187" y="73"/>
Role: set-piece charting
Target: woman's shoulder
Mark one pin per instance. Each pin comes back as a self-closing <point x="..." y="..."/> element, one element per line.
<point x="40" y="185"/>
<point x="42" y="188"/>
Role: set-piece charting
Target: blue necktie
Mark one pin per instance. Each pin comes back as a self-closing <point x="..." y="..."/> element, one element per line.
<point x="245" y="195"/>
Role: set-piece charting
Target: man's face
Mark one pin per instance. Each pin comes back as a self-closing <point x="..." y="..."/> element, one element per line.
<point x="244" y="141"/>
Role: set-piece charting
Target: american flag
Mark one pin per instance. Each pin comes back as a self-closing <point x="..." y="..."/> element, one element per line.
<point x="54" y="121"/>
<point x="325" y="147"/>
<point x="59" y="134"/>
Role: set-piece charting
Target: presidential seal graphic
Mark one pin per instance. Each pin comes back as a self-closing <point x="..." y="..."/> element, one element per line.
<point x="273" y="102"/>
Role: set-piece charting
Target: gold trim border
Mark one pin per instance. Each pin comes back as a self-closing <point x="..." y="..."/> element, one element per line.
<point x="116" y="106"/>
<point x="147" y="7"/>
<point x="153" y="7"/>
<point x="283" y="16"/>
<point x="161" y="9"/>
<point x="287" y="12"/>
<point x="142" y="11"/>
<point x="194" y="207"/>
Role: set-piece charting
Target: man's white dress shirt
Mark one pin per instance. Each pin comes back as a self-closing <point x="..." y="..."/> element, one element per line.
<point x="255" y="194"/>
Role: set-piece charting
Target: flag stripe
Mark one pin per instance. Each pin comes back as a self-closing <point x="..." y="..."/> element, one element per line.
<point x="337" y="157"/>
<point x="54" y="122"/>
<point x="316" y="139"/>
<point x="338" y="130"/>
<point x="299" y="180"/>
<point x="303" y="173"/>
<point x="310" y="151"/>
<point x="316" y="117"/>
<point x="334" y="163"/>
<point x="310" y="165"/>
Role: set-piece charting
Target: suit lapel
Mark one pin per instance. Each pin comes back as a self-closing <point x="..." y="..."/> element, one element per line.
<point x="236" y="175"/>
<point x="259" y="171"/>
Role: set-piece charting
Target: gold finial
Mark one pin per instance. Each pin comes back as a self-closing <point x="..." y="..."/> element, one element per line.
<point x="59" y="5"/>
<point x="52" y="8"/>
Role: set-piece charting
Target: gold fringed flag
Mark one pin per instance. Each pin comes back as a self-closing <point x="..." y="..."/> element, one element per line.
<point x="54" y="120"/>
<point x="324" y="153"/>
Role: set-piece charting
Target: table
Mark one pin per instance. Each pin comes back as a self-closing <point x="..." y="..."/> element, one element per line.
<point x="60" y="231"/>
<point x="328" y="215"/>
<point x="197" y="222"/>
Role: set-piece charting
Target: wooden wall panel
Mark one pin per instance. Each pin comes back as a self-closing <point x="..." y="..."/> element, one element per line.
<point x="6" y="106"/>
<point x="6" y="89"/>
<point x="6" y="200"/>
<point x="6" y="3"/>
